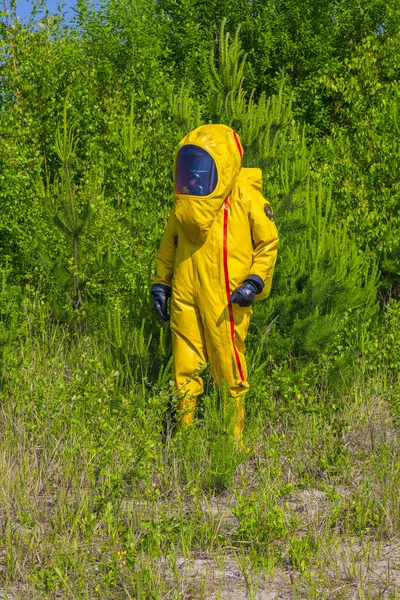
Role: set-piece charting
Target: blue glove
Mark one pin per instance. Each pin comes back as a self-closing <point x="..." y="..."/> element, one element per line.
<point x="245" y="293"/>
<point x="160" y="294"/>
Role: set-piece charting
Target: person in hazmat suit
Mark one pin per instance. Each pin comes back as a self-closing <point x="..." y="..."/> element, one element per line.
<point x="216" y="257"/>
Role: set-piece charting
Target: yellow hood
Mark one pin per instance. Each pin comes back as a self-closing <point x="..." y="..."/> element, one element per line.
<point x="196" y="214"/>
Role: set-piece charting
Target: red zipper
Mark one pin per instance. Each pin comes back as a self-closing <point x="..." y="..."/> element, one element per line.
<point x="228" y="290"/>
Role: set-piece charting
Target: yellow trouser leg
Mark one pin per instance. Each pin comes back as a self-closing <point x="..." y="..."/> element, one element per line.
<point x="188" y="349"/>
<point x="187" y="406"/>
<point x="238" y="416"/>
<point x="226" y="355"/>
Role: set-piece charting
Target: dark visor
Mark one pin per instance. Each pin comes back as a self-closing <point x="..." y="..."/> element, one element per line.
<point x="196" y="172"/>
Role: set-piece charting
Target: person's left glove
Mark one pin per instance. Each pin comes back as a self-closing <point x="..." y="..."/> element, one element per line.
<point x="160" y="294"/>
<point x="245" y="293"/>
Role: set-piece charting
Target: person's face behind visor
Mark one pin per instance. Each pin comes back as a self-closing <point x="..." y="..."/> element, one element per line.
<point x="196" y="172"/>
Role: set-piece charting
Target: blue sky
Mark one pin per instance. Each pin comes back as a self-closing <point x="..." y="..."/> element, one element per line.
<point x="24" y="7"/>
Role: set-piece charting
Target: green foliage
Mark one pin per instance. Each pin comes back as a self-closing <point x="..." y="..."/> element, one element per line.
<point x="101" y="496"/>
<point x="390" y="347"/>
<point x="361" y="153"/>
<point x="97" y="109"/>
<point x="384" y="348"/>
<point x="185" y="110"/>
<point x="219" y="416"/>
<point x="264" y="527"/>
<point x="260" y="523"/>
<point x="297" y="38"/>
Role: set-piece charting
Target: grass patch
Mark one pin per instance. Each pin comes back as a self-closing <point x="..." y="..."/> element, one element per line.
<point x="101" y="498"/>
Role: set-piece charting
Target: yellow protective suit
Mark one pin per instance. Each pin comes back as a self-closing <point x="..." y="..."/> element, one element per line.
<point x="210" y="245"/>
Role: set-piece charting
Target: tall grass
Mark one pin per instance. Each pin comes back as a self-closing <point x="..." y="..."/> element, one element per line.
<point x="102" y="497"/>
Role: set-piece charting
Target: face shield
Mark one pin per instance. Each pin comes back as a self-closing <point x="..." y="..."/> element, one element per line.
<point x="196" y="172"/>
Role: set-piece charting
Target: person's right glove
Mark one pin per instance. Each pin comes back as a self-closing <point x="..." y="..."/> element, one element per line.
<point x="160" y="294"/>
<point x="245" y="293"/>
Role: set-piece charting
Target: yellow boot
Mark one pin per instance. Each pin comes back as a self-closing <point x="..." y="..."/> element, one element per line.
<point x="186" y="407"/>
<point x="238" y="424"/>
<point x="238" y="417"/>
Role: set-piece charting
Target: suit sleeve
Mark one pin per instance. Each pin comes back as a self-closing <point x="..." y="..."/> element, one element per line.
<point x="165" y="258"/>
<point x="265" y="240"/>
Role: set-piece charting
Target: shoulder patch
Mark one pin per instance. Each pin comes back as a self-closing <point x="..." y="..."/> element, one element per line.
<point x="269" y="212"/>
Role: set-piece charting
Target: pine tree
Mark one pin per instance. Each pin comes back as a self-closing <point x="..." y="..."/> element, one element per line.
<point x="68" y="203"/>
